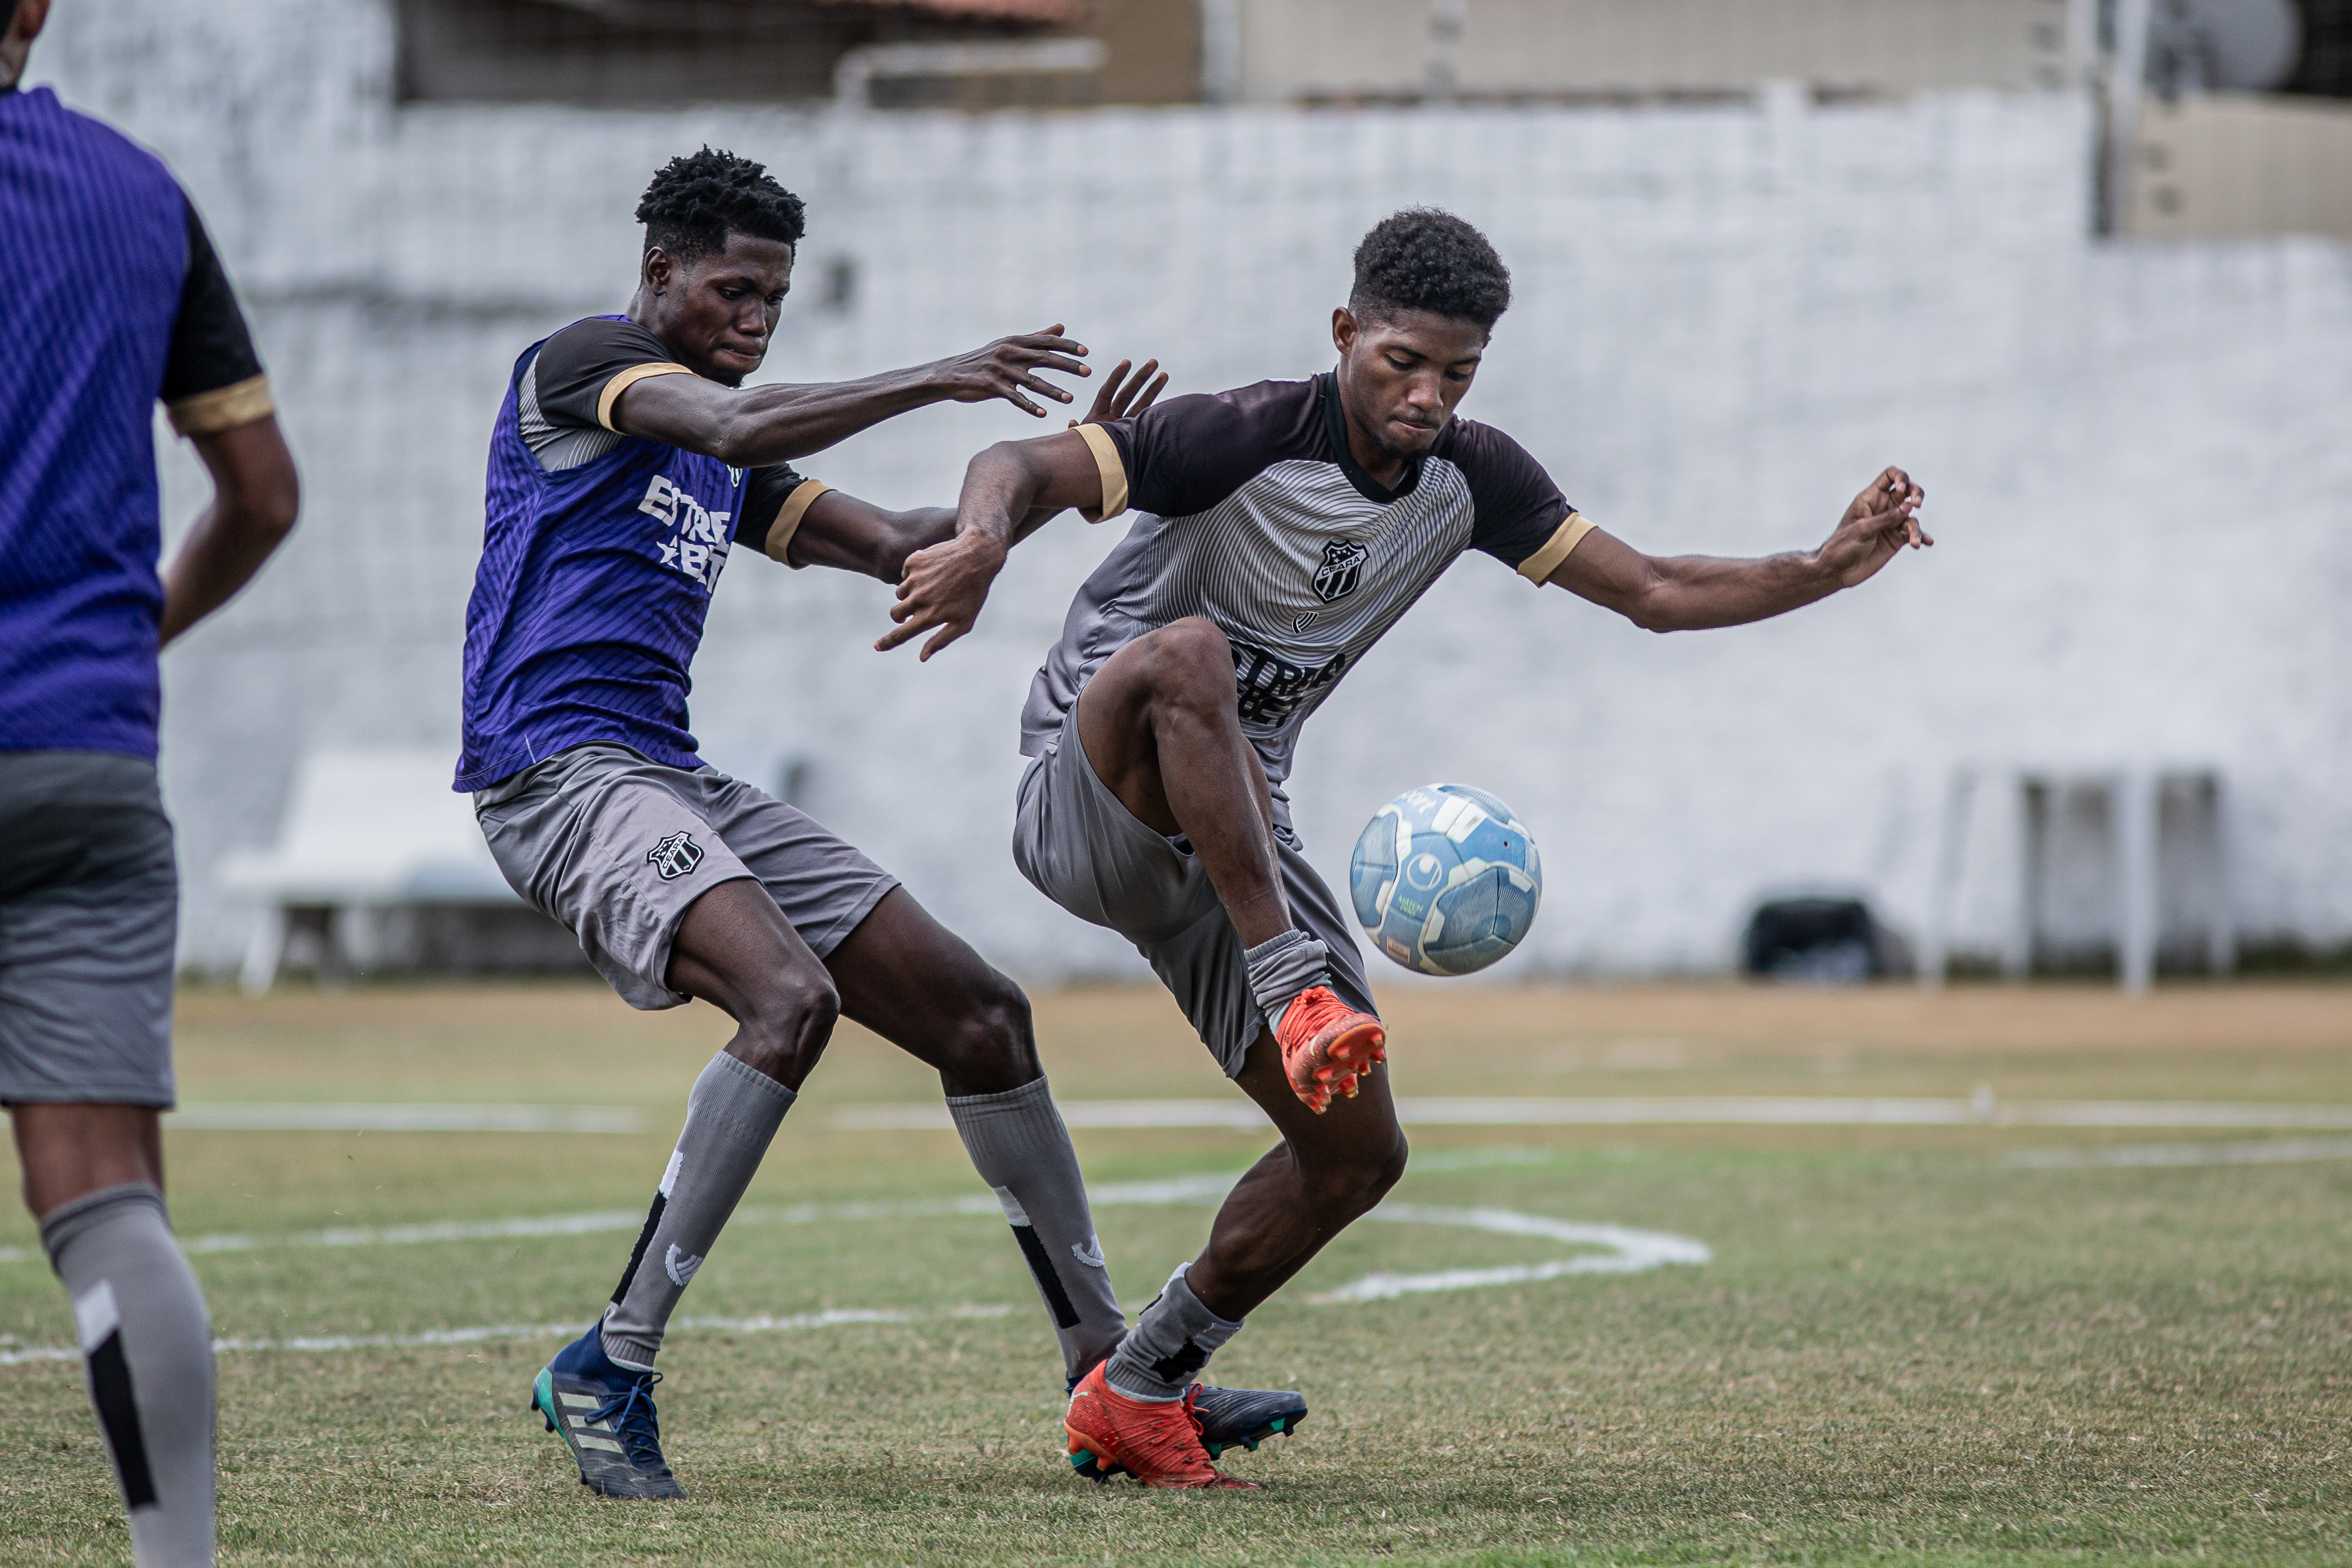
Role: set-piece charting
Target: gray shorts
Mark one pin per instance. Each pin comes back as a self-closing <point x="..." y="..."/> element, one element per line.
<point x="1085" y="851"/>
<point x="617" y="847"/>
<point x="89" y="920"/>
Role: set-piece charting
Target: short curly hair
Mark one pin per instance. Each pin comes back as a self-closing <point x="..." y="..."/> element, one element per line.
<point x="696" y="202"/>
<point x="1425" y="259"/>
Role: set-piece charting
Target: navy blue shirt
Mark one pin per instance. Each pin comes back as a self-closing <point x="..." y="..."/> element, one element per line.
<point x="600" y="551"/>
<point x="110" y="297"/>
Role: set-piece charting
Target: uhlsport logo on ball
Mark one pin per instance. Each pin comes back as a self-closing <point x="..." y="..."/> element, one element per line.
<point x="1445" y="879"/>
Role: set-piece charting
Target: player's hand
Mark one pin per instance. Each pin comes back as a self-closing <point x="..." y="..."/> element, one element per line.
<point x="944" y="587"/>
<point x="1009" y="367"/>
<point x="1883" y="520"/>
<point x="1118" y="398"/>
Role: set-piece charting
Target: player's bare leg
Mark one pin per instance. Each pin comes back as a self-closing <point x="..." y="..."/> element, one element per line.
<point x="736" y="951"/>
<point x="1161" y="726"/>
<point x="921" y="988"/>
<point x="1143" y="1409"/>
<point x="1327" y="1172"/>
<point x="918" y="986"/>
<point x="71" y="1151"/>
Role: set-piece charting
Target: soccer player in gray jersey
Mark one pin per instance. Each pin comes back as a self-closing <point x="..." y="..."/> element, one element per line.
<point x="1282" y="529"/>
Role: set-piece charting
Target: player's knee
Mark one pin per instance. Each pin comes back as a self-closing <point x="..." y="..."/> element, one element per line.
<point x="991" y="1047"/>
<point x="1343" y="1189"/>
<point x="786" y="1033"/>
<point x="1190" y="659"/>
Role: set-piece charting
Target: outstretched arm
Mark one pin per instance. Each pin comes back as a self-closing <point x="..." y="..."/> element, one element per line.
<point x="945" y="585"/>
<point x="1688" y="593"/>
<point x="851" y="535"/>
<point x="1010" y="491"/>
<point x="750" y="427"/>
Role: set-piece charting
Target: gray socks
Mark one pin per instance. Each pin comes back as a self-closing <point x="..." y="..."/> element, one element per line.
<point x="1170" y="1345"/>
<point x="147" y="1349"/>
<point x="1282" y="966"/>
<point x="1020" y="1147"/>
<point x="731" y="1118"/>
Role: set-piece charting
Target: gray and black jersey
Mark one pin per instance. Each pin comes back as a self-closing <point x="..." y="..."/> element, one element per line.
<point x="1251" y="513"/>
<point x="563" y="412"/>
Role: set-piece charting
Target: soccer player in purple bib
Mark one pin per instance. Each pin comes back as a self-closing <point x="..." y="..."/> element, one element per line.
<point x="114" y="298"/>
<point x="1282" y="529"/>
<point x="627" y="466"/>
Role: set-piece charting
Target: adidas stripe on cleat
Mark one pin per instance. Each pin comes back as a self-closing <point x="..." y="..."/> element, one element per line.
<point x="1325" y="1046"/>
<point x="605" y="1414"/>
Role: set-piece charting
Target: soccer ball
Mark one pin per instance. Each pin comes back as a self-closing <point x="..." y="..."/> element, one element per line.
<point x="1445" y="879"/>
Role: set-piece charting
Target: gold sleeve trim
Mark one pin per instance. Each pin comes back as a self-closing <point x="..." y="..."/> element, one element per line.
<point x="788" y="519"/>
<point x="1562" y="544"/>
<point x="624" y="381"/>
<point x="225" y="408"/>
<point x="1114" y="473"/>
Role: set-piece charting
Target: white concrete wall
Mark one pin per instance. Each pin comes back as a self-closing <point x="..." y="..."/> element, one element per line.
<point x="1727" y="321"/>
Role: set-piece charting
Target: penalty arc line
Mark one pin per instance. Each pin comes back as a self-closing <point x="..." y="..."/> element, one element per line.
<point x="1628" y="1251"/>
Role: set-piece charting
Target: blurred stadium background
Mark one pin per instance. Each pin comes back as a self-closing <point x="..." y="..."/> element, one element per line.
<point x="2081" y="265"/>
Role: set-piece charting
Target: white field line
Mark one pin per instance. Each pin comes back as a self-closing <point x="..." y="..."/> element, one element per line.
<point x="317" y="1343"/>
<point x="1628" y="1251"/>
<point x="294" y="1116"/>
<point x="2270" y="1151"/>
<point x="1787" y="1111"/>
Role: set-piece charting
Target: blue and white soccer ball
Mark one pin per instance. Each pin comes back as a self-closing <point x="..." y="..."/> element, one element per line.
<point x="1445" y="879"/>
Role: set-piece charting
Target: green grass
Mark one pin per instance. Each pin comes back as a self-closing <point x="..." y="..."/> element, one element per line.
<point x="1905" y="1349"/>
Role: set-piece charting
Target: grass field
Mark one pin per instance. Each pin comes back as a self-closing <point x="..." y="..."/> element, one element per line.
<point x="1907" y="1345"/>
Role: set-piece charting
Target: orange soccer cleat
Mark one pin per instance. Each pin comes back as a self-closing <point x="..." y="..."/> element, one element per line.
<point x="1159" y="1443"/>
<point x="1325" y="1045"/>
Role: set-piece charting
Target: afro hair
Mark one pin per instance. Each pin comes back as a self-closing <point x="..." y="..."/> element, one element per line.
<point x="1425" y="259"/>
<point x="695" y="203"/>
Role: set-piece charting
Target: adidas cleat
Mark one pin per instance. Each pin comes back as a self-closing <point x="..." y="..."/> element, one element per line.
<point x="605" y="1414"/>
<point x="1246" y="1416"/>
<point x="1157" y="1443"/>
<point x="1229" y="1418"/>
<point x="1326" y="1045"/>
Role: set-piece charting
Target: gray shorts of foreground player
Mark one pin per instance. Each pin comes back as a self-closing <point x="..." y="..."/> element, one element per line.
<point x="1282" y="529"/>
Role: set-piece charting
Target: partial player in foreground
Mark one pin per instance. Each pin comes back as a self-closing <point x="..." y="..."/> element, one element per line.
<point x="114" y="297"/>
<point x="627" y="463"/>
<point x="1283" y="528"/>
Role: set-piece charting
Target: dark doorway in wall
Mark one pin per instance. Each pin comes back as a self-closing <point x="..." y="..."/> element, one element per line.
<point x="2327" y="67"/>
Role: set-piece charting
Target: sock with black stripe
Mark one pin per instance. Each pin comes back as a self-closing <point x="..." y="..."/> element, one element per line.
<point x="1020" y="1147"/>
<point x="1171" y="1342"/>
<point x="731" y="1117"/>
<point x="147" y="1351"/>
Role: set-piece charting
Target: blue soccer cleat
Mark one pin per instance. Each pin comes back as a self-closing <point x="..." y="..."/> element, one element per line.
<point x="605" y="1414"/>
